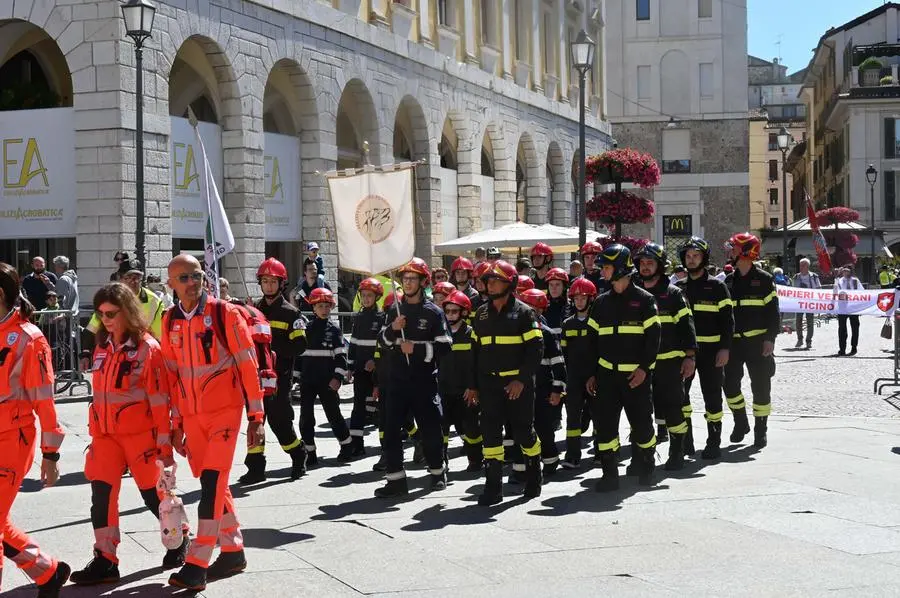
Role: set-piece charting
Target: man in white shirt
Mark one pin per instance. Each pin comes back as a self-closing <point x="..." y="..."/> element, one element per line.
<point x="805" y="279"/>
<point x="847" y="282"/>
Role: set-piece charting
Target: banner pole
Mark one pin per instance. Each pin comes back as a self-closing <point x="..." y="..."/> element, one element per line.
<point x="397" y="307"/>
<point x="241" y="273"/>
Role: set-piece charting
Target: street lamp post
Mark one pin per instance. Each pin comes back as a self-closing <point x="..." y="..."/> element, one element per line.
<point x="871" y="177"/>
<point x="784" y="140"/>
<point x="138" y="16"/>
<point x="582" y="60"/>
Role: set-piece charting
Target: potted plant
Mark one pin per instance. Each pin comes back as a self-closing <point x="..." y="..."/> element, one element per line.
<point x="886" y="81"/>
<point x="841" y="240"/>
<point x="619" y="207"/>
<point x="870" y="72"/>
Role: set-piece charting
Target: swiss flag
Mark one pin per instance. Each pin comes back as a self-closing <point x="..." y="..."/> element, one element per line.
<point x="885" y="301"/>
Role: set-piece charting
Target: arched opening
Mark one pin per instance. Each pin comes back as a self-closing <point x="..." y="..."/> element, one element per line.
<point x="357" y="122"/>
<point x="521" y="187"/>
<point x="34" y="74"/>
<point x="193" y="84"/>
<point x="447" y="152"/>
<point x="528" y="170"/>
<point x="411" y="143"/>
<point x="448" y="146"/>
<point x="556" y="189"/>
<point x="487" y="182"/>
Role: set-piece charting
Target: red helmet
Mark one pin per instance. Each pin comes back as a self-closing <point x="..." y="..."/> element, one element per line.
<point x="534" y="298"/>
<point x="321" y="296"/>
<point x="591" y="248"/>
<point x="748" y="245"/>
<point x="444" y="288"/>
<point x="372" y="284"/>
<point x="462" y="263"/>
<point x="416" y="266"/>
<point x="459" y="298"/>
<point x="481" y="269"/>
<point x="501" y="270"/>
<point x="390" y="298"/>
<point x="524" y="283"/>
<point x="556" y="274"/>
<point x="272" y="267"/>
<point x="582" y="286"/>
<point x="541" y="249"/>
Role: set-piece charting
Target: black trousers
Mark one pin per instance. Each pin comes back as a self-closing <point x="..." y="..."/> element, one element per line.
<point x="497" y="409"/>
<point x="421" y="399"/>
<point x="409" y="425"/>
<point x="363" y="385"/>
<point x="668" y="395"/>
<point x="748" y="352"/>
<point x="576" y="401"/>
<point x="842" y="332"/>
<point x="457" y="413"/>
<point x="711" y="380"/>
<point x="545" y="418"/>
<point x="279" y="415"/>
<point x="310" y="390"/>
<point x="614" y="396"/>
<point x="810" y="320"/>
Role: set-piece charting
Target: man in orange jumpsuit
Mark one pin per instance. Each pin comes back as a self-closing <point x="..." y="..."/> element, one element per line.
<point x="211" y="361"/>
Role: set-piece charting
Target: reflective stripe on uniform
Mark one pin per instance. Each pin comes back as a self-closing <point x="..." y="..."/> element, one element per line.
<point x="492" y="452"/>
<point x="318" y="353"/>
<point x="461" y="346"/>
<point x="297" y="334"/>
<point x="762" y="410"/>
<point x="750" y="333"/>
<point x="612" y="445"/>
<point x="709" y="339"/>
<point x="681" y="428"/>
<point x="622" y="367"/>
<point x="649" y="444"/>
<point x="713" y="417"/>
<point x="670" y="355"/>
<point x="279" y="325"/>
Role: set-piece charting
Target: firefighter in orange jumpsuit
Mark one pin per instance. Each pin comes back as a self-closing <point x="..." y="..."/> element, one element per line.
<point x="211" y="362"/>
<point x="26" y="391"/>
<point x="129" y="422"/>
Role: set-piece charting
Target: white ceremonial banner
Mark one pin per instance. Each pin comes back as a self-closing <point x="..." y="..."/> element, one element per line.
<point x="219" y="238"/>
<point x="189" y="209"/>
<point x="877" y="302"/>
<point x="37" y="195"/>
<point x="281" y="187"/>
<point x="373" y="215"/>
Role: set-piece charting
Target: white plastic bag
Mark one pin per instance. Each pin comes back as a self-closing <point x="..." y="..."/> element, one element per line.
<point x="172" y="516"/>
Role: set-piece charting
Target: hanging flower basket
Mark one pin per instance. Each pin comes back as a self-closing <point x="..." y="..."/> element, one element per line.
<point x="843" y="257"/>
<point x="836" y="215"/>
<point x="622" y="166"/>
<point x="634" y="244"/>
<point x="623" y="207"/>
<point x="842" y="239"/>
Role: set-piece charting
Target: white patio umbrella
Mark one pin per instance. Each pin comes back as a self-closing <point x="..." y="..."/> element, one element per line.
<point x="514" y="237"/>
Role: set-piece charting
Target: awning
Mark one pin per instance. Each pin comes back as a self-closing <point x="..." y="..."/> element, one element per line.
<point x="510" y="238"/>
<point x="801" y="241"/>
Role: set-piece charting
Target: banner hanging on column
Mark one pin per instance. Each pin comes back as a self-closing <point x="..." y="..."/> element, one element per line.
<point x="877" y="302"/>
<point x="281" y="187"/>
<point x="189" y="209"/>
<point x="38" y="196"/>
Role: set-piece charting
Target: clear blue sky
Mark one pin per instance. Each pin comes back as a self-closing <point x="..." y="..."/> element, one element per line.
<point x="798" y="24"/>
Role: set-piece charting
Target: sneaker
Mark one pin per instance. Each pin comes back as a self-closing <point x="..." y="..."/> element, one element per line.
<point x="51" y="588"/>
<point x="175" y="558"/>
<point x="226" y="565"/>
<point x="99" y="571"/>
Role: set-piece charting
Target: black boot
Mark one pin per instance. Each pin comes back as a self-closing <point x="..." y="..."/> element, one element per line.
<point x="312" y="459"/>
<point x="381" y="464"/>
<point x="439" y="481"/>
<point x="676" y="453"/>
<point x="647" y="461"/>
<point x="662" y="433"/>
<point x="634" y="467"/>
<point x="741" y="425"/>
<point x="610" y="480"/>
<point x="517" y="475"/>
<point x="99" y="571"/>
<point x="174" y="558"/>
<point x="393" y="489"/>
<point x="493" y="484"/>
<point x="713" y="441"/>
<point x="688" y="443"/>
<point x="550" y="467"/>
<point x="345" y="455"/>
<point x="357" y="447"/>
<point x="190" y="577"/>
<point x="256" y="469"/>
<point x="446" y="457"/>
<point x="533" y="477"/>
<point x="760" y="428"/>
<point x="298" y="461"/>
<point x="512" y="454"/>
<point x="51" y="588"/>
<point x="473" y="453"/>
<point x="418" y="452"/>
<point x="226" y="565"/>
<point x="572" y="459"/>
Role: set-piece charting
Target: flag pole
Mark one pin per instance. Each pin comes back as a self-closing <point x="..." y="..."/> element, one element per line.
<point x="241" y="272"/>
<point x="214" y="267"/>
<point x="397" y="307"/>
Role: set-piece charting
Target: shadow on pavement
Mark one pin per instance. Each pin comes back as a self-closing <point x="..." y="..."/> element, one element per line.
<point x="343" y="480"/>
<point x="74" y="478"/>
<point x="268" y="539"/>
<point x="439" y="517"/>
<point x="366" y="506"/>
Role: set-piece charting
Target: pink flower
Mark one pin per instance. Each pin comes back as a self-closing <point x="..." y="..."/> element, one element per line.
<point x="621" y="207"/>
<point x="627" y="164"/>
<point x="836" y="215"/>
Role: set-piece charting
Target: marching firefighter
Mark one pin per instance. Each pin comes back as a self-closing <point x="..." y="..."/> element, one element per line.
<point x="478" y="284"/>
<point x="416" y="340"/>
<point x="542" y="261"/>
<point x="456" y="381"/>
<point x="440" y="291"/>
<point x="589" y="253"/>
<point x="129" y="422"/>
<point x="550" y="383"/>
<point x="523" y="283"/>
<point x="324" y="371"/>
<point x="624" y="335"/>
<point x="26" y="394"/>
<point x="576" y="347"/>
<point x="461" y="276"/>
<point x="287" y="329"/>
<point x="510" y="347"/>
<point x="212" y="372"/>
<point x="676" y="358"/>
<point x="361" y="359"/>
<point x="756" y="324"/>
<point x="710" y="304"/>
<point x="558" y="308"/>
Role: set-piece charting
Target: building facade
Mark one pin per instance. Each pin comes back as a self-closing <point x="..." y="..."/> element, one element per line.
<point x="853" y="122"/>
<point x="676" y="87"/>
<point x="285" y="91"/>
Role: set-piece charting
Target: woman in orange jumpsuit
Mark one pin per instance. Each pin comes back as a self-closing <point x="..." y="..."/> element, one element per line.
<point x="129" y="422"/>
<point x="26" y="391"/>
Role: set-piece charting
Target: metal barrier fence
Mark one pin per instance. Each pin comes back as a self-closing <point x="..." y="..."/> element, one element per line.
<point x="63" y="332"/>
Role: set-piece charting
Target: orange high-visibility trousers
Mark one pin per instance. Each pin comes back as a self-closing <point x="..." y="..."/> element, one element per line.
<point x="16" y="457"/>
<point x="211" y="439"/>
<point x="106" y="459"/>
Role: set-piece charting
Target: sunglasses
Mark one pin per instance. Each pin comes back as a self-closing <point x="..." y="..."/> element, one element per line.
<point x="108" y="315"/>
<point x="185" y="278"/>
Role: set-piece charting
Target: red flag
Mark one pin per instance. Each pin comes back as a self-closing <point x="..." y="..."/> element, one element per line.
<point x="818" y="238"/>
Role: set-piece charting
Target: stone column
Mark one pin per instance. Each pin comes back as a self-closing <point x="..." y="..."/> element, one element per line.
<point x="504" y="183"/>
<point x="468" y="181"/>
<point x="564" y="52"/>
<point x="427" y="211"/>
<point x="425" y="33"/>
<point x="471" y="46"/>
<point x="537" y="62"/>
<point x="509" y="52"/>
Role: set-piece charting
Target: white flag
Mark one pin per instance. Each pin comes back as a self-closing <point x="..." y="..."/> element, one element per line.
<point x="373" y="216"/>
<point x="219" y="238"/>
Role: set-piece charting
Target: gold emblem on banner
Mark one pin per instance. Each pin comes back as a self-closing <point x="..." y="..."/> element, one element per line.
<point x="374" y="218"/>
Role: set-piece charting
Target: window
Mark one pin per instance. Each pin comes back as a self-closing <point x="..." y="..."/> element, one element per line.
<point x="704" y="9"/>
<point x="488" y="23"/>
<point x="773" y="222"/>
<point x="773" y="170"/>
<point x="676" y="151"/>
<point x="773" y="197"/>
<point x="643" y="10"/>
<point x="643" y="82"/>
<point x="445" y="13"/>
<point x="891" y="141"/>
<point x="550" y="45"/>
<point x="706" y="80"/>
<point x="773" y="142"/>
<point x="520" y="31"/>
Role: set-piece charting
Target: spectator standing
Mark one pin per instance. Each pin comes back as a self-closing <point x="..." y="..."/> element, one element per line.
<point x="847" y="282"/>
<point x="805" y="279"/>
<point x="480" y="254"/>
<point x="121" y="261"/>
<point x="576" y="269"/>
<point x="155" y="284"/>
<point x="780" y="278"/>
<point x="66" y="285"/>
<point x="680" y="273"/>
<point x="311" y="281"/>
<point x="53" y="326"/>
<point x="37" y="284"/>
<point x="312" y="255"/>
